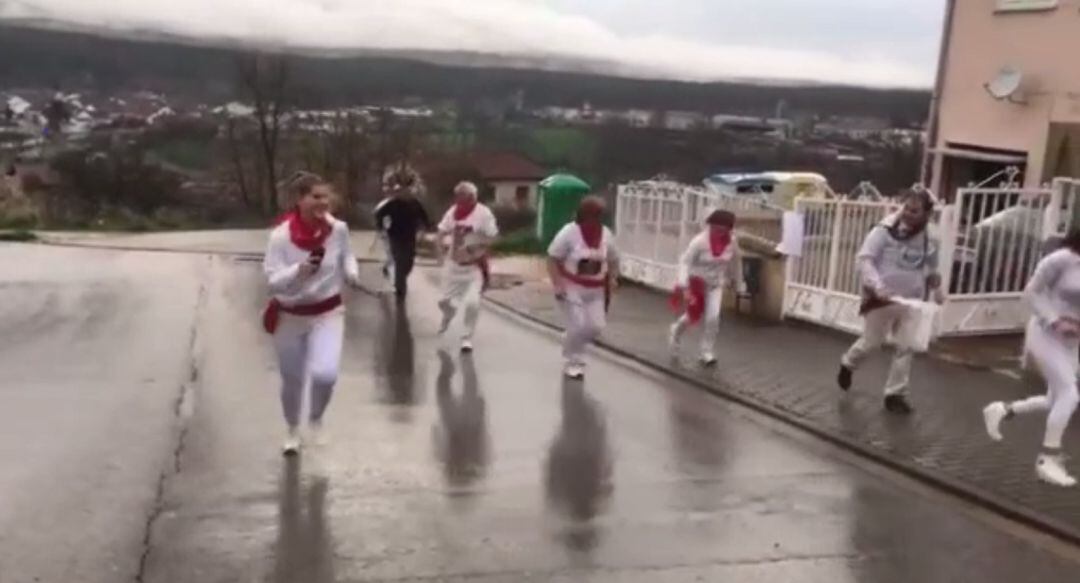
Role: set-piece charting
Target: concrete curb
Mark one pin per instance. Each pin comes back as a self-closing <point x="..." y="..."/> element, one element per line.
<point x="967" y="492"/>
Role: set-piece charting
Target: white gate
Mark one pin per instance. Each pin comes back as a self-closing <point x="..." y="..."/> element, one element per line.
<point x="823" y="284"/>
<point x="996" y="237"/>
<point x="655" y="220"/>
<point x="990" y="241"/>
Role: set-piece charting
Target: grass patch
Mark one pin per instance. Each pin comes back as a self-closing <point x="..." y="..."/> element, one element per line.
<point x="19" y="236"/>
<point x="518" y="243"/>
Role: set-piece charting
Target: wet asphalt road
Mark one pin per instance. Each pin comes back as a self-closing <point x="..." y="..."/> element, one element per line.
<point x="139" y="433"/>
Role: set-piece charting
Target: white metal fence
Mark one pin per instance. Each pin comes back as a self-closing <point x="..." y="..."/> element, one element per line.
<point x="990" y="240"/>
<point x="994" y="239"/>
<point x="653" y="224"/>
<point x="655" y="220"/>
<point x="823" y="283"/>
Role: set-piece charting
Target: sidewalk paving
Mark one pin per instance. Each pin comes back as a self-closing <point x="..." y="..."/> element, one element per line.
<point x="789" y="371"/>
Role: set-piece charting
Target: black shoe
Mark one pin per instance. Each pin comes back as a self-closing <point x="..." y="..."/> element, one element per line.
<point x="844" y="378"/>
<point x="899" y="405"/>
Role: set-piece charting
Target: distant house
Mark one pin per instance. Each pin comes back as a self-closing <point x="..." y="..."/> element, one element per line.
<point x="682" y="121"/>
<point x="856" y="128"/>
<point x="512" y="180"/>
<point x="780" y="128"/>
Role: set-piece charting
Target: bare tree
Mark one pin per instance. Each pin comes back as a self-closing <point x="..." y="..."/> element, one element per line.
<point x="265" y="81"/>
<point x="353" y="145"/>
<point x="236" y="157"/>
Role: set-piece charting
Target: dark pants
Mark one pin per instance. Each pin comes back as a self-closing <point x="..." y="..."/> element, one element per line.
<point x="404" y="252"/>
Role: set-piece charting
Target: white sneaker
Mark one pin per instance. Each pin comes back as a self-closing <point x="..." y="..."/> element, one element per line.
<point x="1051" y="469"/>
<point x="993" y="415"/>
<point x="466" y="346"/>
<point x="292" y="442"/>
<point x="708" y="359"/>
<point x="574" y="371"/>
<point x="316" y="434"/>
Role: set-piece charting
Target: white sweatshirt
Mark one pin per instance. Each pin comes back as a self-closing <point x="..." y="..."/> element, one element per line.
<point x="1054" y="290"/>
<point x="895" y="267"/>
<point x="282" y="267"/>
<point x="569" y="247"/>
<point x="698" y="261"/>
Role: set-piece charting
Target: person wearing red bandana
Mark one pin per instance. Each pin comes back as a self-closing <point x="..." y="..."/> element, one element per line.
<point x="465" y="233"/>
<point x="711" y="262"/>
<point x="583" y="264"/>
<point x="308" y="263"/>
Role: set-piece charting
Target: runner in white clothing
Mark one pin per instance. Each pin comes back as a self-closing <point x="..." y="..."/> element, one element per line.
<point x="307" y="265"/>
<point x="898" y="260"/>
<point x="1053" y="341"/>
<point x="711" y="262"/>
<point x="465" y="233"/>
<point x="584" y="265"/>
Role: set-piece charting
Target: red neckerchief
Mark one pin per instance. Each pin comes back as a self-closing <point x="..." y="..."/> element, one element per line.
<point x="308" y="237"/>
<point x="718" y="242"/>
<point x="462" y="210"/>
<point x="592" y="232"/>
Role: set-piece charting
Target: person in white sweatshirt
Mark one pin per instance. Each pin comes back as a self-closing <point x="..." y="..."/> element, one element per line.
<point x="466" y="233"/>
<point x="1053" y="341"/>
<point x="308" y="263"/>
<point x="711" y="262"/>
<point x="898" y="259"/>
<point x="583" y="264"/>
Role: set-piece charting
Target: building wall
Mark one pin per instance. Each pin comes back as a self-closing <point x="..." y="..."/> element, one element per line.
<point x="1043" y="45"/>
<point x="506" y="193"/>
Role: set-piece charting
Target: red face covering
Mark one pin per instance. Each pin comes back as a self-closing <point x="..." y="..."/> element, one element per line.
<point x="720" y="238"/>
<point x="464" y="208"/>
<point x="307" y="236"/>
<point x="590" y="220"/>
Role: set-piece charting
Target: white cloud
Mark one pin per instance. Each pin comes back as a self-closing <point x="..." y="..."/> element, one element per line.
<point x="510" y="27"/>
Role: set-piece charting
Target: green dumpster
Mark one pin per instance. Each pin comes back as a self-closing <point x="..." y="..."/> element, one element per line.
<point x="560" y="196"/>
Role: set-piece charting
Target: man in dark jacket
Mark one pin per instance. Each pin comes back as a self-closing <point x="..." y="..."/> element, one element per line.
<point x="403" y="219"/>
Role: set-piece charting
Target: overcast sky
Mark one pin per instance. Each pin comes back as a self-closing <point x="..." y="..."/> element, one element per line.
<point x="871" y="42"/>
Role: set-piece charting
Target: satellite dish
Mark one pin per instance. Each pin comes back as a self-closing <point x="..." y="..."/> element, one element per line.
<point x="1006" y="85"/>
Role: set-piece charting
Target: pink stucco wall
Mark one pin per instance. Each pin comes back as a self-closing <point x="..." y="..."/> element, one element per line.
<point x="1044" y="45"/>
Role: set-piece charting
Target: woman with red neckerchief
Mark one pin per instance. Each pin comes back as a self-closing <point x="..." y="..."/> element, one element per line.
<point x="470" y="228"/>
<point x="711" y="261"/>
<point x="584" y="266"/>
<point x="308" y="263"/>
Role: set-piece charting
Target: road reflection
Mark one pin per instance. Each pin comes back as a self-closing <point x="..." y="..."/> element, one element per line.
<point x="462" y="442"/>
<point x="701" y="447"/>
<point x="396" y="358"/>
<point x="579" y="468"/>
<point x="305" y="546"/>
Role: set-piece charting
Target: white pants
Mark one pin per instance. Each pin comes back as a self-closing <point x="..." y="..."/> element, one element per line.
<point x="895" y="321"/>
<point x="309" y="350"/>
<point x="1056" y="358"/>
<point x="461" y="291"/>
<point x="714" y="298"/>
<point x="585" y="320"/>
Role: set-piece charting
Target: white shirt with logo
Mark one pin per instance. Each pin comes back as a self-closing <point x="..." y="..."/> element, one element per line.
<point x="570" y="248"/>
<point x="466" y="235"/>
